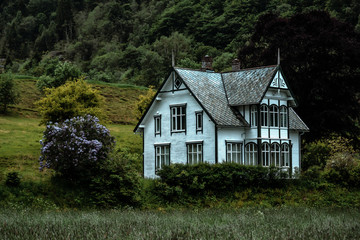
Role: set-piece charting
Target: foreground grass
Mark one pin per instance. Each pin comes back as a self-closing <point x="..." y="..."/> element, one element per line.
<point x="272" y="223"/>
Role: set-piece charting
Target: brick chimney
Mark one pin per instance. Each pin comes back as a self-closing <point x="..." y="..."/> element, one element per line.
<point x="206" y="63"/>
<point x="236" y="65"/>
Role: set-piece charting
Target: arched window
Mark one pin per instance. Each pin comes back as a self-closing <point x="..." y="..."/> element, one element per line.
<point x="251" y="154"/>
<point x="274" y="116"/>
<point x="264" y="115"/>
<point x="253" y="115"/>
<point x="266" y="154"/>
<point x="275" y="154"/>
<point x="285" y="155"/>
<point x="283" y="116"/>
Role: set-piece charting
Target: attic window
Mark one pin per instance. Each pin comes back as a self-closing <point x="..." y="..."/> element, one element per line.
<point x="177" y="83"/>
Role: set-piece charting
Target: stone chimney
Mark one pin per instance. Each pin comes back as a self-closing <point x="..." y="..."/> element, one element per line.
<point x="206" y="63"/>
<point x="236" y="65"/>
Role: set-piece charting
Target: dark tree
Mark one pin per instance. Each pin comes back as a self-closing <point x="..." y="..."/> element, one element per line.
<point x="320" y="57"/>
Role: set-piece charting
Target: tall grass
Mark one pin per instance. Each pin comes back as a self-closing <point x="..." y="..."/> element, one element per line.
<point x="274" y="223"/>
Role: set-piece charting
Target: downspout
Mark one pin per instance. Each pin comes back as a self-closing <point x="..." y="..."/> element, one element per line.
<point x="216" y="144"/>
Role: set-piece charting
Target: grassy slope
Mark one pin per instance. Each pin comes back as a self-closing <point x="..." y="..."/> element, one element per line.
<point x="20" y="131"/>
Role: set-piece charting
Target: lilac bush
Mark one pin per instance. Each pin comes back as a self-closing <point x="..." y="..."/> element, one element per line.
<point x="75" y="147"/>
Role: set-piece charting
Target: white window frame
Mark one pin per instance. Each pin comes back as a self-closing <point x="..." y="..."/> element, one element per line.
<point x="274" y="116"/>
<point x="251" y="154"/>
<point x="234" y="152"/>
<point x="162" y="156"/>
<point x="283" y="117"/>
<point x="157" y="126"/>
<point x="264" y="112"/>
<point x="199" y="118"/>
<point x="178" y="118"/>
<point x="194" y="152"/>
<point x="254" y="115"/>
<point x="265" y="149"/>
<point x="285" y="155"/>
<point x="275" y="154"/>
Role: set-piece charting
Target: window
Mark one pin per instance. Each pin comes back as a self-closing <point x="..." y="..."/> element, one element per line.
<point x="251" y="154"/>
<point x="283" y="116"/>
<point x="275" y="154"/>
<point x="266" y="154"/>
<point x="264" y="115"/>
<point x="274" y="116"/>
<point x="195" y="153"/>
<point x="157" y="120"/>
<point x="234" y="153"/>
<point x="162" y="156"/>
<point x="285" y="155"/>
<point x="253" y="115"/>
<point x="199" y="121"/>
<point x="178" y="118"/>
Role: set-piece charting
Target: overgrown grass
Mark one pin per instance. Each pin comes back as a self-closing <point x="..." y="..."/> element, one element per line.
<point x="274" y="223"/>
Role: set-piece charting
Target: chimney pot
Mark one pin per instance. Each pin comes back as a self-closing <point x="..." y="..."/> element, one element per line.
<point x="236" y="65"/>
<point x="206" y="63"/>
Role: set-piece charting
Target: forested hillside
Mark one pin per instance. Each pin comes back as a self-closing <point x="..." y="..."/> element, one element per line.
<point x="131" y="41"/>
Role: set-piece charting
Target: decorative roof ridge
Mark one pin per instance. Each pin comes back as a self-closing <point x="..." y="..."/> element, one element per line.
<point x="198" y="70"/>
<point x="253" y="68"/>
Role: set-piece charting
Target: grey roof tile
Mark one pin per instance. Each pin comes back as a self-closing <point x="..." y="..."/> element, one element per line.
<point x="295" y="122"/>
<point x="248" y="86"/>
<point x="208" y="88"/>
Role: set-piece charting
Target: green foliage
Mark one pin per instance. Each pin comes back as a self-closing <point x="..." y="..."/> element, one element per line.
<point x="117" y="183"/>
<point x="143" y="103"/>
<point x="315" y="154"/>
<point x="74" y="98"/>
<point x="179" y="180"/>
<point x="12" y="179"/>
<point x="64" y="71"/>
<point x="8" y="94"/>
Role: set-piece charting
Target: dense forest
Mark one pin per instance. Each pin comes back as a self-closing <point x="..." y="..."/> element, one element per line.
<point x="132" y="41"/>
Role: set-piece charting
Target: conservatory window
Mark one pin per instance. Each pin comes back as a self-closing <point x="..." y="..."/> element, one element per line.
<point x="251" y="154"/>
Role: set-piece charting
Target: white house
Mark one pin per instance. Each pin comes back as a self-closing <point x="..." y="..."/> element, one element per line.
<point x="244" y="116"/>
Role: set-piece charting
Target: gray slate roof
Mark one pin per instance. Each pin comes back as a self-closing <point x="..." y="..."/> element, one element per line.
<point x="208" y="88"/>
<point x="249" y="85"/>
<point x="295" y="122"/>
<point x="217" y="92"/>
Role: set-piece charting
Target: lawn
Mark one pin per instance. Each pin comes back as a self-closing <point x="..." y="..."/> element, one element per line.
<point x="20" y="147"/>
<point x="272" y="223"/>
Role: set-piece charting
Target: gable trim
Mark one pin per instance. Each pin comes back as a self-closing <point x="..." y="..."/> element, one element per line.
<point x="151" y="103"/>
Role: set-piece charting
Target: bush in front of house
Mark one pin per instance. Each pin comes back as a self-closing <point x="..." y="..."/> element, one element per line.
<point x="117" y="182"/>
<point x="76" y="147"/>
<point x="218" y="179"/>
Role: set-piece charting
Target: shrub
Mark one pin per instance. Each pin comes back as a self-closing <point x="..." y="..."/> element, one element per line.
<point x="75" y="148"/>
<point x="63" y="72"/>
<point x="315" y="154"/>
<point x="76" y="98"/>
<point x="12" y="179"/>
<point x="116" y="183"/>
<point x="219" y="179"/>
<point x="8" y="95"/>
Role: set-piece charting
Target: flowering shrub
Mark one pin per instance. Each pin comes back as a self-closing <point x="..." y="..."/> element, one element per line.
<point x="75" y="147"/>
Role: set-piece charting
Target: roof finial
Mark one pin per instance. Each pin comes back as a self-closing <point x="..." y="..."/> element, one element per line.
<point x="278" y="57"/>
<point x="172" y="58"/>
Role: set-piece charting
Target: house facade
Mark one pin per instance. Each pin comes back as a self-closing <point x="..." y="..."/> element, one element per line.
<point x="244" y="116"/>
